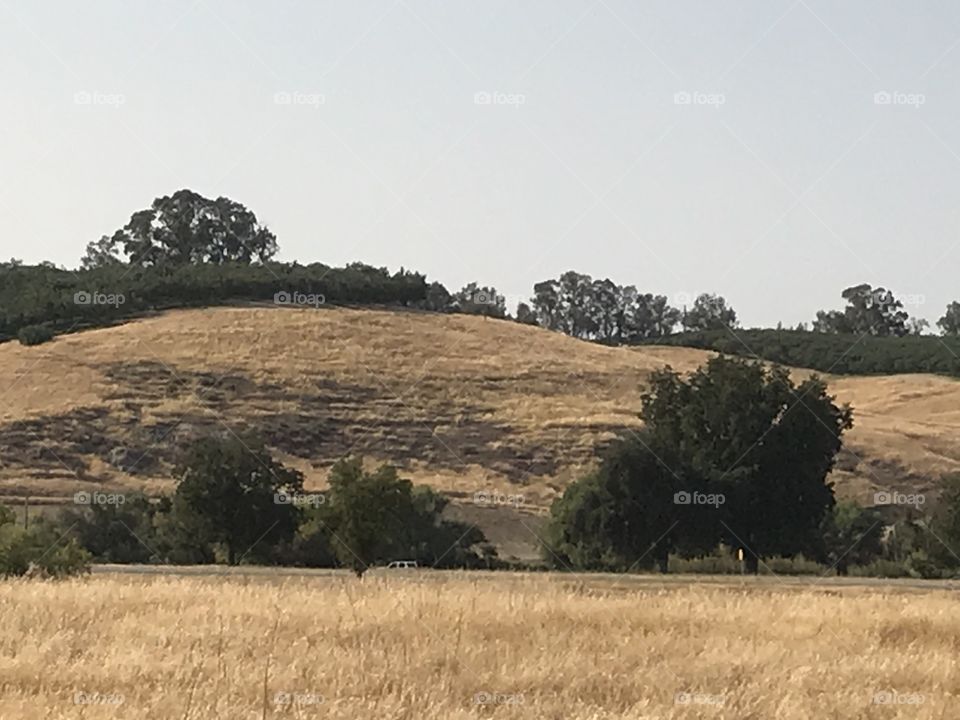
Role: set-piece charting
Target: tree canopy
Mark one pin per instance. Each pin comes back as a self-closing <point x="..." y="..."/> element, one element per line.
<point x="186" y="228"/>
<point x="735" y="453"/>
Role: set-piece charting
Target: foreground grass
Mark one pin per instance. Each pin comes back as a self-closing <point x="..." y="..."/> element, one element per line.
<point x="447" y="646"/>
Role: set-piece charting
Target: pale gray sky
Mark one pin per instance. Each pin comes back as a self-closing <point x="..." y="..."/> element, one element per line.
<point x="783" y="180"/>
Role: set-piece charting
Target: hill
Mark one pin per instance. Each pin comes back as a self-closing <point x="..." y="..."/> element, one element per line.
<point x="467" y="404"/>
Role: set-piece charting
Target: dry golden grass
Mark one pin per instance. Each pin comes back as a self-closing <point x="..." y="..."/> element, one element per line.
<point x="463" y="403"/>
<point x="449" y="646"/>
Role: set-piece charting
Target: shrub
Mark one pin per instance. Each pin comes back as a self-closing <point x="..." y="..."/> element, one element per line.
<point x="34" y="335"/>
<point x="881" y="568"/>
<point x="840" y="354"/>
<point x="723" y="562"/>
<point x="41" y="552"/>
<point x="115" y="533"/>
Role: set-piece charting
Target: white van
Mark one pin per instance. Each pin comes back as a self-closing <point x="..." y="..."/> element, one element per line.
<point x="402" y="565"/>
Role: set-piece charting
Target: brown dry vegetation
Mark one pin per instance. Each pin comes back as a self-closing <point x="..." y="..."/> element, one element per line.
<point x="446" y="646"/>
<point x="463" y="403"/>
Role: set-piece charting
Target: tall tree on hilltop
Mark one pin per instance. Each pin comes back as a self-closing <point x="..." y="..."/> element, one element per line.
<point x="869" y="311"/>
<point x="709" y="312"/>
<point x="949" y="324"/>
<point x="186" y="228"/>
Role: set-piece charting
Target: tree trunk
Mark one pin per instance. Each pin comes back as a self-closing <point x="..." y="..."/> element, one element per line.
<point x="751" y="563"/>
<point x="231" y="555"/>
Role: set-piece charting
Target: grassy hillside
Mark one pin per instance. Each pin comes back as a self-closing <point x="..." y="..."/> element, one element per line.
<point x="464" y="403"/>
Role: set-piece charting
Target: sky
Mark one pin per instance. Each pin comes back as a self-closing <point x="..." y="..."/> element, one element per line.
<point x="774" y="152"/>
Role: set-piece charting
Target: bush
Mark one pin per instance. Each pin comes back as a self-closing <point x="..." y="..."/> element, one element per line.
<point x="881" y="568"/>
<point x="837" y="354"/>
<point x="920" y="565"/>
<point x="34" y="335"/>
<point x="43" y="294"/>
<point x="115" y="533"/>
<point x="723" y="562"/>
<point x="40" y="551"/>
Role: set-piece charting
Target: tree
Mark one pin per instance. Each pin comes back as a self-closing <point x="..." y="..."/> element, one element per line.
<point x="832" y="322"/>
<point x="576" y="299"/>
<point x="546" y="305"/>
<point x="365" y="512"/>
<point x="869" y="311"/>
<point x="40" y="550"/>
<point x="103" y="252"/>
<point x="648" y="316"/>
<point x="525" y="314"/>
<point x="186" y="228"/>
<point x="438" y="298"/>
<point x="231" y="491"/>
<point x="475" y="300"/>
<point x="374" y="517"/>
<point x="949" y="324"/>
<point x="601" y="310"/>
<point x="606" y="311"/>
<point x="917" y="326"/>
<point x="752" y="436"/>
<point x="625" y="515"/>
<point x="709" y="312"/>
<point x="946" y="523"/>
<point x="116" y="533"/>
<point x="851" y="535"/>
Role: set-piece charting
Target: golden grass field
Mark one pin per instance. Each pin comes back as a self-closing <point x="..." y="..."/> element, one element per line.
<point x="449" y="645"/>
<point x="463" y="403"/>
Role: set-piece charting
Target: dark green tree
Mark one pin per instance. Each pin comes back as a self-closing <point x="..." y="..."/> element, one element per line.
<point x="851" y="535"/>
<point x="116" y="533"/>
<point x="869" y="311"/>
<point x="949" y="324"/>
<point x="763" y="443"/>
<point x="526" y="315"/>
<point x="475" y="300"/>
<point x="438" y="299"/>
<point x="232" y="492"/>
<point x="709" y="312"/>
<point x="945" y="523"/>
<point x="186" y="228"/>
<point x="375" y="517"/>
<point x="626" y="515"/>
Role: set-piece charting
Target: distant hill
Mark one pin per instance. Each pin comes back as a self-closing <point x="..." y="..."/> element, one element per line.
<point x="464" y="403"/>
